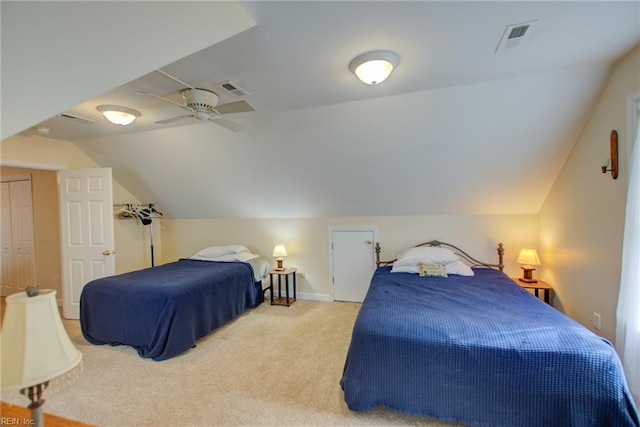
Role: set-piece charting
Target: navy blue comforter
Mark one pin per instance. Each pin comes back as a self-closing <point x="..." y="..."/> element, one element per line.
<point x="162" y="311"/>
<point x="481" y="351"/>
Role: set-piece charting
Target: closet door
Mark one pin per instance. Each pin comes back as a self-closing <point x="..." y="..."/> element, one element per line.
<point x="18" y="258"/>
<point x="352" y="262"/>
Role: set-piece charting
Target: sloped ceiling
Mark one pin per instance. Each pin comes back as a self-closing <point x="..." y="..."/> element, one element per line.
<point x="456" y="129"/>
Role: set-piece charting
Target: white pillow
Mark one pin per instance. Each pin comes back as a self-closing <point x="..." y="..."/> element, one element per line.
<point x="216" y="251"/>
<point x="425" y="255"/>
<point x="459" y="268"/>
<point x="240" y="256"/>
<point x="413" y="269"/>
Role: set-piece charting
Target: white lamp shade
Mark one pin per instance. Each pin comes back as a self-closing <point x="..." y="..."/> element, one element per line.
<point x="528" y="257"/>
<point x="279" y="251"/>
<point x="35" y="346"/>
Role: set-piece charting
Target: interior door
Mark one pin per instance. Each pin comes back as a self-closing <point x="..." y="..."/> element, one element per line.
<point x="353" y="263"/>
<point x="86" y="232"/>
<point x="18" y="253"/>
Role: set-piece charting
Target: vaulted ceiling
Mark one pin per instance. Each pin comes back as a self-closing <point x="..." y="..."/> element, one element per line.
<point x="458" y="128"/>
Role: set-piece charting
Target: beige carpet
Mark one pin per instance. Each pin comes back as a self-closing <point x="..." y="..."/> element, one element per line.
<point x="271" y="366"/>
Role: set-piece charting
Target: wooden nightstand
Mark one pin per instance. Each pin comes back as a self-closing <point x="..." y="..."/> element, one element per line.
<point x="280" y="300"/>
<point x="540" y="285"/>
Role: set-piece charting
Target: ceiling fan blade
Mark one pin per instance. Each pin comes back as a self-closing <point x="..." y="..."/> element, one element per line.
<point x="174" y="79"/>
<point x="162" y="98"/>
<point x="235" y="107"/>
<point x="228" y="124"/>
<point x="173" y="119"/>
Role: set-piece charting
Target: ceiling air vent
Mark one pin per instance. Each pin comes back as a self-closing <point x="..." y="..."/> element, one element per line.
<point x="234" y="89"/>
<point x="514" y="35"/>
<point x="77" y="119"/>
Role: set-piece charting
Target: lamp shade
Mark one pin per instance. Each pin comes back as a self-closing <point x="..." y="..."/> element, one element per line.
<point x="279" y="251"/>
<point x="528" y="257"/>
<point x="35" y="346"/>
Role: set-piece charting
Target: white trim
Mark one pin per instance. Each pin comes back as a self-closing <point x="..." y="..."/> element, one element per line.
<point x="313" y="297"/>
<point x="32" y="165"/>
<point x="372" y="228"/>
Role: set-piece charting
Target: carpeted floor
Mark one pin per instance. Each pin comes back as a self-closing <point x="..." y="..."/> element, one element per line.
<point x="271" y="366"/>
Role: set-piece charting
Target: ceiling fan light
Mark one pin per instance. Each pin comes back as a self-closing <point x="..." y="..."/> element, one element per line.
<point x="374" y="67"/>
<point x="118" y="115"/>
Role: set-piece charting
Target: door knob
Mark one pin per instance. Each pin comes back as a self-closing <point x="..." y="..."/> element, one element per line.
<point x="368" y="242"/>
<point x="107" y="252"/>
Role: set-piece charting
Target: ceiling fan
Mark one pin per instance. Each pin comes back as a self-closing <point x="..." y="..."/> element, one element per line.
<point x="202" y="104"/>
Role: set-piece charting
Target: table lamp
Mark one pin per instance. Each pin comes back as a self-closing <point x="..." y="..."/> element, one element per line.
<point x="528" y="257"/>
<point x="35" y="346"/>
<point x="279" y="251"/>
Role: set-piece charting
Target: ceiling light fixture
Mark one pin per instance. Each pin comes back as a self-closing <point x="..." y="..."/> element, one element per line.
<point x="118" y="115"/>
<point x="374" y="67"/>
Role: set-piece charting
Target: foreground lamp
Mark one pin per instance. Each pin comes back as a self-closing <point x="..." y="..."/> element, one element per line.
<point x="279" y="251"/>
<point x="528" y="257"/>
<point x="118" y="115"/>
<point x="611" y="164"/>
<point x="374" y="67"/>
<point x="35" y="346"/>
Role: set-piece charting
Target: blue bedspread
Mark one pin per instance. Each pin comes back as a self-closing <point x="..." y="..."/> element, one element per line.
<point x="481" y="351"/>
<point x="162" y="311"/>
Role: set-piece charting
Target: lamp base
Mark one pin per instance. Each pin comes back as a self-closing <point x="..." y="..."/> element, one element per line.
<point x="279" y="266"/>
<point x="527" y="274"/>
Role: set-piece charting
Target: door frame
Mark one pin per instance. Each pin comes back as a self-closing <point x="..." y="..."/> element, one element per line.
<point x="371" y="228"/>
<point x="39" y="166"/>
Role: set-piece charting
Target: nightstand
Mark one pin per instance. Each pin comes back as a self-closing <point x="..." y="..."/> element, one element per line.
<point x="280" y="300"/>
<point x="540" y="285"/>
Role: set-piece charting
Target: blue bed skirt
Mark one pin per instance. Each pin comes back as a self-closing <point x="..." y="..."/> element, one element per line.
<point x="480" y="351"/>
<point x="162" y="311"/>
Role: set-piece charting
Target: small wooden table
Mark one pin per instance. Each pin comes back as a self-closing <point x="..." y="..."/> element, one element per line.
<point x="280" y="300"/>
<point x="18" y="416"/>
<point x="540" y="285"/>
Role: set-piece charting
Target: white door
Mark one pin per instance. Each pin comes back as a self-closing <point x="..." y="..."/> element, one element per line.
<point x="86" y="232"/>
<point x="18" y="254"/>
<point x="352" y="262"/>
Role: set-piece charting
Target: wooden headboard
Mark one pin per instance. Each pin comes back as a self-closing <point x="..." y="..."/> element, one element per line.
<point x="468" y="258"/>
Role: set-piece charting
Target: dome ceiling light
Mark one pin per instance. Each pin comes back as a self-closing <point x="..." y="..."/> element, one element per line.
<point x="374" y="67"/>
<point x="118" y="115"/>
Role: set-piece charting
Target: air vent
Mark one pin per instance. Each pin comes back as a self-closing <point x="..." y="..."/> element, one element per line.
<point x="77" y="119"/>
<point x="514" y="35"/>
<point x="234" y="89"/>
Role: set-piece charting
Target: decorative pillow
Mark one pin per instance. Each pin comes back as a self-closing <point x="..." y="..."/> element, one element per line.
<point x="217" y="251"/>
<point x="425" y="255"/>
<point x="432" y="270"/>
<point x="459" y="268"/>
<point x="405" y="269"/>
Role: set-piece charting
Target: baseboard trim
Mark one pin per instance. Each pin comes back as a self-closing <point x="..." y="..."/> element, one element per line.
<point x="305" y="295"/>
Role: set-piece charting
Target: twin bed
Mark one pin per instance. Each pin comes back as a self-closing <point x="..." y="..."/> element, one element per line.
<point x="477" y="349"/>
<point x="162" y="311"/>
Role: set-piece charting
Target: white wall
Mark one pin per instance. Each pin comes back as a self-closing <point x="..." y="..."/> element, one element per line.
<point x="306" y="239"/>
<point x="582" y="219"/>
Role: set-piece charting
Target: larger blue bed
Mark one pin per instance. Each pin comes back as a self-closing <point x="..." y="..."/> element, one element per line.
<point x="482" y="351"/>
<point x="162" y="311"/>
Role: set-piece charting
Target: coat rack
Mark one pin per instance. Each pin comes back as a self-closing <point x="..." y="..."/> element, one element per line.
<point x="143" y="212"/>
